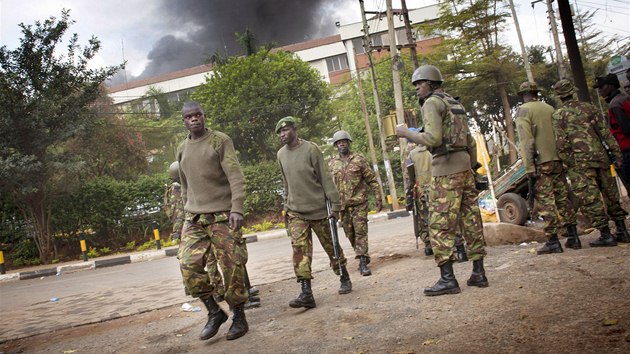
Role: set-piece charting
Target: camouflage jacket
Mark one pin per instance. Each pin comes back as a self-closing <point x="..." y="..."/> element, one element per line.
<point x="352" y="176"/>
<point x="577" y="141"/>
<point x="174" y="206"/>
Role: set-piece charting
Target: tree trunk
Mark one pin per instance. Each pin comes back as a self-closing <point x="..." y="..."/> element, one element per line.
<point x="39" y="213"/>
<point x="507" y="116"/>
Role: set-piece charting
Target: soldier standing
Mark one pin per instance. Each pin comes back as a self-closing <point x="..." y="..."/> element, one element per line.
<point x="453" y="197"/>
<point x="213" y="188"/>
<point x="421" y="159"/>
<point x="307" y="185"/>
<point x="580" y="140"/>
<point x="352" y="175"/>
<point x="618" y="117"/>
<point x="538" y="150"/>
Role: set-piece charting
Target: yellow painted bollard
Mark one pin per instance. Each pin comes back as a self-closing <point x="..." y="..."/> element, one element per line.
<point x="2" y="269"/>
<point x="156" y="234"/>
<point x="83" y="247"/>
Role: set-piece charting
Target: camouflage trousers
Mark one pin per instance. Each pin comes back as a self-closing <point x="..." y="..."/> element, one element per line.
<point x="205" y="235"/>
<point x="355" y="225"/>
<point x="594" y="187"/>
<point x="423" y="222"/>
<point x="453" y="205"/>
<point x="552" y="197"/>
<point x="300" y="230"/>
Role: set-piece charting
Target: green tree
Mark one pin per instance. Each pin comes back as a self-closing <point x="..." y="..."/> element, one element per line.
<point x="246" y="97"/>
<point x="46" y="98"/>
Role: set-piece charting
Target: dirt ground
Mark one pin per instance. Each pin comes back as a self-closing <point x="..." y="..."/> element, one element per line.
<point x="577" y="301"/>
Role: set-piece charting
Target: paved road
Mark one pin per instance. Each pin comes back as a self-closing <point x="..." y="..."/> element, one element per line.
<point x="107" y="293"/>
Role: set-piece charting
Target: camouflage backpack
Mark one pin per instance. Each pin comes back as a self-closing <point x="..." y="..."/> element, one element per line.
<point x="455" y="131"/>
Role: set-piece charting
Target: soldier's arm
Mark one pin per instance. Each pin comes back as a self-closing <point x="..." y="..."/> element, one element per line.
<point x="559" y="127"/>
<point x="432" y="116"/>
<point x="325" y="178"/>
<point x="526" y="139"/>
<point x="232" y="169"/>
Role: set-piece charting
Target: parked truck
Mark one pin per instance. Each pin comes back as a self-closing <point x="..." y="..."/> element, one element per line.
<point x="511" y="190"/>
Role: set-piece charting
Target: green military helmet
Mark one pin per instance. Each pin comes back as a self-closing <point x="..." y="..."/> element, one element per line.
<point x="528" y="87"/>
<point x="564" y="88"/>
<point x="173" y="170"/>
<point x="286" y="121"/>
<point x="341" y="135"/>
<point x="427" y="72"/>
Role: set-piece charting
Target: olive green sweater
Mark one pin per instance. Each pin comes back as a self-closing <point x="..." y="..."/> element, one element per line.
<point x="211" y="176"/>
<point x="536" y="136"/>
<point x="307" y="181"/>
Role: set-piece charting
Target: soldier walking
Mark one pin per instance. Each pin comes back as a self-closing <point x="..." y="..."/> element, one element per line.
<point x="580" y="140"/>
<point x="353" y="176"/>
<point x="453" y="198"/>
<point x="537" y="141"/>
<point x="213" y="190"/>
<point x="307" y="185"/>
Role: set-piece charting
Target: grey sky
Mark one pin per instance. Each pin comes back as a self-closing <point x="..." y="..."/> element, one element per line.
<point x="154" y="34"/>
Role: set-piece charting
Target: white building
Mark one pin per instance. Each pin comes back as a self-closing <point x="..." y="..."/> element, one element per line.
<point x="331" y="56"/>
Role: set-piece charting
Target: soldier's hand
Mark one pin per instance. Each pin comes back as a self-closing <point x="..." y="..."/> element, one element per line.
<point x="334" y="214"/>
<point x="236" y="221"/>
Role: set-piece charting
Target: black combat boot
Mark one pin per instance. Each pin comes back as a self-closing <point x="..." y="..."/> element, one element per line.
<point x="346" y="284"/>
<point x="216" y="317"/>
<point x="363" y="268"/>
<point x="478" y="276"/>
<point x="605" y="239"/>
<point x="239" y="323"/>
<point x="622" y="233"/>
<point x="305" y="299"/>
<point x="551" y="246"/>
<point x="573" y="239"/>
<point x="447" y="283"/>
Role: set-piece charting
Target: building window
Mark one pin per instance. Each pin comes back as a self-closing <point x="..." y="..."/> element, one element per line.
<point x="358" y="45"/>
<point x="336" y="63"/>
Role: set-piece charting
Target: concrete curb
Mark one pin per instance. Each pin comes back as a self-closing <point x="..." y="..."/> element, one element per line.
<point x="157" y="254"/>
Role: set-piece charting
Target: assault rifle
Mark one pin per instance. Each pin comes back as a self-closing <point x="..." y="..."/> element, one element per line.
<point x="412" y="205"/>
<point x="531" y="186"/>
<point x="332" y="223"/>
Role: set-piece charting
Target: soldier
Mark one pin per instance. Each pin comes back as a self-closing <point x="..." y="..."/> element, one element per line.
<point x="453" y="197"/>
<point x="540" y="158"/>
<point x="421" y="159"/>
<point x="352" y="175"/>
<point x="173" y="204"/>
<point x="580" y="140"/>
<point x="307" y="185"/>
<point x="618" y="117"/>
<point x="213" y="189"/>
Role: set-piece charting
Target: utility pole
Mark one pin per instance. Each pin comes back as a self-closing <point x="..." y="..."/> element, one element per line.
<point x="562" y="71"/>
<point x="377" y="105"/>
<point x="398" y="100"/>
<point x="368" y="129"/>
<point x="528" y="69"/>
<point x="410" y="39"/>
<point x="573" y="50"/>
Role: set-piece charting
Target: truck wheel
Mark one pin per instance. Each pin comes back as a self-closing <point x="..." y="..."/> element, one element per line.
<point x="512" y="209"/>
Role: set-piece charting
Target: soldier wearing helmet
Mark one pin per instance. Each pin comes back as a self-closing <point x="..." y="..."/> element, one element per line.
<point x="353" y="176"/>
<point x="453" y="196"/>
<point x="307" y="185"/>
<point x="585" y="146"/>
<point x="543" y="166"/>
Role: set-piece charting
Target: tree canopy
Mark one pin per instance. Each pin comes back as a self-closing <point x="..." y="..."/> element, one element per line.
<point x="246" y="96"/>
<point x="47" y="97"/>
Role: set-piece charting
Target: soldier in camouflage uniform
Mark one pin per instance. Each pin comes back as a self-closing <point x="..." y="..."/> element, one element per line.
<point x="453" y="197"/>
<point x="580" y="140"/>
<point x="307" y="186"/>
<point x="537" y="141"/>
<point x="421" y="159"/>
<point x="213" y="188"/>
<point x="173" y="204"/>
<point x="353" y="176"/>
